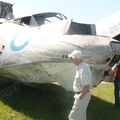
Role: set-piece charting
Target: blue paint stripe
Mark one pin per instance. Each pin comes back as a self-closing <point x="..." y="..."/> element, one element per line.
<point x="18" y="48"/>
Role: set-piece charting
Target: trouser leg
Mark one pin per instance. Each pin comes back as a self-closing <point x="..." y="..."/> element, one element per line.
<point x="116" y="92"/>
<point x="79" y="108"/>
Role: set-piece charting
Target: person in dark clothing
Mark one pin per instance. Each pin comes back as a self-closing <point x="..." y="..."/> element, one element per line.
<point x="116" y="76"/>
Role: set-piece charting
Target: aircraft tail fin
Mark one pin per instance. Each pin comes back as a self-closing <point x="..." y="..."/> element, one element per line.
<point x="6" y="10"/>
<point x="109" y="26"/>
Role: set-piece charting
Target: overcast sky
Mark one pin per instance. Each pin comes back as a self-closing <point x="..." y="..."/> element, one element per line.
<point x="84" y="11"/>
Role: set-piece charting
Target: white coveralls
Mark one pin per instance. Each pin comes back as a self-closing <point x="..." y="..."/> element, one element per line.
<point x="83" y="77"/>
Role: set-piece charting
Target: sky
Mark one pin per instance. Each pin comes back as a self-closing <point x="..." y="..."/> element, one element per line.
<point x="83" y="11"/>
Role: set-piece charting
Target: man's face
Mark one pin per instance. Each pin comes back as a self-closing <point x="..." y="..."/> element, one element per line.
<point x="75" y="61"/>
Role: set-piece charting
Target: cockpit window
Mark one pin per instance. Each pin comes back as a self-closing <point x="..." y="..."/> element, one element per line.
<point x="48" y="18"/>
<point x="42" y="18"/>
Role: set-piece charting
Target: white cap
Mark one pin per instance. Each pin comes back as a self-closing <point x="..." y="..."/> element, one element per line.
<point x="76" y="54"/>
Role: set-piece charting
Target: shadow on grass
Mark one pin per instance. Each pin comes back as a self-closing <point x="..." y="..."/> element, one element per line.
<point x="43" y="102"/>
<point x="51" y="102"/>
<point x="102" y="110"/>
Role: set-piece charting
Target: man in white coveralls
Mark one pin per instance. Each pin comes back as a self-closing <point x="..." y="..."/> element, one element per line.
<point x="81" y="85"/>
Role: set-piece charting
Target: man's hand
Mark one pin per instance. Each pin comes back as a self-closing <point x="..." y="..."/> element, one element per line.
<point x="84" y="91"/>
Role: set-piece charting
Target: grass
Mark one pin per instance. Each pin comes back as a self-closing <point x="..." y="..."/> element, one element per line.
<point x="46" y="102"/>
<point x="51" y="102"/>
<point x="102" y="103"/>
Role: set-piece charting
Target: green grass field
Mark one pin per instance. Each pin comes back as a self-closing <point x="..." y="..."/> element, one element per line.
<point x="102" y="103"/>
<point x="51" y="102"/>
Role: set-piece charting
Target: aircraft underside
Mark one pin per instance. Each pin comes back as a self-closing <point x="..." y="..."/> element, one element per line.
<point x="54" y="73"/>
